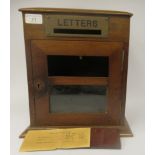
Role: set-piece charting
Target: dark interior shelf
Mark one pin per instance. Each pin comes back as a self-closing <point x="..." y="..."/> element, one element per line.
<point x="70" y="80"/>
<point x="86" y="66"/>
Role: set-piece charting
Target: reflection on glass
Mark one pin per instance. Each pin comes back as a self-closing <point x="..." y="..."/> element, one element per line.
<point x="78" y="99"/>
<point x="93" y="66"/>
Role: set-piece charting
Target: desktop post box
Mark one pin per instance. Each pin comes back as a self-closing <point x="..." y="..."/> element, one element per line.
<point x="77" y="64"/>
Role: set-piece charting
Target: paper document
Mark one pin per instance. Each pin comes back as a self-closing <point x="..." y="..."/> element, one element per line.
<point x="36" y="140"/>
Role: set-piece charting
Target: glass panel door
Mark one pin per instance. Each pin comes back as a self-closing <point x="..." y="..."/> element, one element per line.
<point x="78" y="99"/>
<point x="77" y="82"/>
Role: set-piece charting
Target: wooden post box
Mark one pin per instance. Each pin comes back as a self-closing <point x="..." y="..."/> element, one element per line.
<point x="77" y="67"/>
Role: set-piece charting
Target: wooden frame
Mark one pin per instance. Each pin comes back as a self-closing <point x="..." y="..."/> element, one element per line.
<point x="39" y="62"/>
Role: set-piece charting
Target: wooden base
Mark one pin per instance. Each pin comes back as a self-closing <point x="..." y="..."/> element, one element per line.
<point x="124" y="130"/>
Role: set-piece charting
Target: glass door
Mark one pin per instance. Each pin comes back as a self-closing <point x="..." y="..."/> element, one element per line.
<point x="77" y="82"/>
<point x="76" y="97"/>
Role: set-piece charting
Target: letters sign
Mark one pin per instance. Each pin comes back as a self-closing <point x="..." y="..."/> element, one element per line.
<point x="76" y="26"/>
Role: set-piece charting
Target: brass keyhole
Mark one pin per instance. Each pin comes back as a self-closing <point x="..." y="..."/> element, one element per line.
<point x="38" y="85"/>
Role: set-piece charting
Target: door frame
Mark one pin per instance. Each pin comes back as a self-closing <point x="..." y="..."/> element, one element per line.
<point x="39" y="51"/>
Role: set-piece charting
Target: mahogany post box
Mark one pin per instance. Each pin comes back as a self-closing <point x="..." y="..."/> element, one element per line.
<point x="77" y="67"/>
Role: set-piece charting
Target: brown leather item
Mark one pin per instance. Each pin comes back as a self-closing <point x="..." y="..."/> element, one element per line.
<point x="105" y="138"/>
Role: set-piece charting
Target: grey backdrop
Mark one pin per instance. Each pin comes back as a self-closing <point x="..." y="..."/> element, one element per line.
<point x="135" y="86"/>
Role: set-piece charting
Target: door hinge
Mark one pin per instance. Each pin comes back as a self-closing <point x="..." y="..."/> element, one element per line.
<point x="123" y="54"/>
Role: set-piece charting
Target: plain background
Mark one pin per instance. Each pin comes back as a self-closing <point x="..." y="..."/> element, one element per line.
<point x="135" y="85"/>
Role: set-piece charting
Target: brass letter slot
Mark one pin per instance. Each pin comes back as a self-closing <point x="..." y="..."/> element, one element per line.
<point x="78" y="31"/>
<point x="76" y="26"/>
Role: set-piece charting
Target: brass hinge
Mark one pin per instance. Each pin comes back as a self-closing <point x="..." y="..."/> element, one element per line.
<point x="123" y="54"/>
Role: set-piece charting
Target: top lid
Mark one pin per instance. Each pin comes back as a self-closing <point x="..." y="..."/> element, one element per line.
<point x="63" y="10"/>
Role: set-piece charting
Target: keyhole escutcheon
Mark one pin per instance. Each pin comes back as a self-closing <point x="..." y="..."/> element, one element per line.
<point x="39" y="85"/>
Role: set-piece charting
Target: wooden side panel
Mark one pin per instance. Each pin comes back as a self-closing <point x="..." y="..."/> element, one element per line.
<point x="124" y="79"/>
<point x="30" y="81"/>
